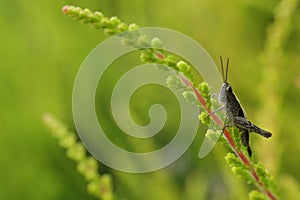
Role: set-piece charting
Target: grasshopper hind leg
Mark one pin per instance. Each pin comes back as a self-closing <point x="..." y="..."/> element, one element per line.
<point x="245" y="140"/>
<point x="244" y="136"/>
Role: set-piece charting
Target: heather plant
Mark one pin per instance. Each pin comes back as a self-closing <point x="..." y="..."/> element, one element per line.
<point x="242" y="166"/>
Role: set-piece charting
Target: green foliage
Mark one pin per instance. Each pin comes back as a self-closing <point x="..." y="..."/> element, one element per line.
<point x="245" y="172"/>
<point x="186" y="70"/>
<point x="98" y="186"/>
<point x="215" y="136"/>
<point x="204" y="89"/>
<point x="236" y="136"/>
<point x="174" y="82"/>
<point x="239" y="29"/>
<point x="266" y="178"/>
<point x="190" y="96"/>
<point x="204" y="118"/>
<point x="255" y="195"/>
<point x="241" y="167"/>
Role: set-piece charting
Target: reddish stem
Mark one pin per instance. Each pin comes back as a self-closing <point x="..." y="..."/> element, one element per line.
<point x="226" y="133"/>
<point x="159" y="55"/>
<point x="228" y="137"/>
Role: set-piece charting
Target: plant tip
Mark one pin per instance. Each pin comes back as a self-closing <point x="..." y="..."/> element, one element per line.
<point x="47" y="117"/>
<point x="65" y="8"/>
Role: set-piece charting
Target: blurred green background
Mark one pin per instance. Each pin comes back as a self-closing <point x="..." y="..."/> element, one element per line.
<point x="41" y="51"/>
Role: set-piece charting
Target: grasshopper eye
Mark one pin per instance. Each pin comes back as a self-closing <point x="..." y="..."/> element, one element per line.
<point x="228" y="88"/>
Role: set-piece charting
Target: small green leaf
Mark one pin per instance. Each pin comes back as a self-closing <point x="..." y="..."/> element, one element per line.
<point x="204" y="118"/>
<point x="147" y="57"/>
<point x="236" y="136"/>
<point x="67" y="141"/>
<point x="213" y="135"/>
<point x="186" y="70"/>
<point x="156" y="43"/>
<point x="174" y="82"/>
<point x="76" y="152"/>
<point x="238" y="168"/>
<point x="265" y="177"/>
<point x="133" y="26"/>
<point x="88" y="168"/>
<point x="190" y="96"/>
<point x="205" y="92"/>
<point x="169" y="60"/>
<point x="255" y="195"/>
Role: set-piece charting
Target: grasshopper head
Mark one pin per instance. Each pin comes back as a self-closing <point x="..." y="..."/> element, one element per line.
<point x="225" y="88"/>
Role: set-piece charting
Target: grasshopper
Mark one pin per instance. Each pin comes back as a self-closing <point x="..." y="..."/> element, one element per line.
<point x="234" y="112"/>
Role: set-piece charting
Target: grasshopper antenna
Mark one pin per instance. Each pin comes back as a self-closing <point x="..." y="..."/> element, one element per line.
<point x="226" y="75"/>
<point x="222" y="68"/>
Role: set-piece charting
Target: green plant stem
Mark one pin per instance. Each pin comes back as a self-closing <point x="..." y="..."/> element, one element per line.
<point x="98" y="186"/>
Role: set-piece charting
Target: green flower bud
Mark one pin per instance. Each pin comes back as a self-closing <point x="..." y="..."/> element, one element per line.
<point x="204" y="118"/>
